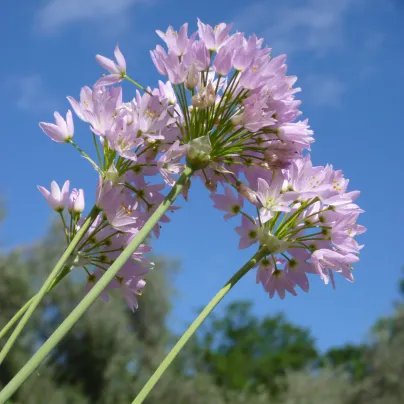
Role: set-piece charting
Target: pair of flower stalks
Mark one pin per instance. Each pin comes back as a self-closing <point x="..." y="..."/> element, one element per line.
<point x="227" y="116"/>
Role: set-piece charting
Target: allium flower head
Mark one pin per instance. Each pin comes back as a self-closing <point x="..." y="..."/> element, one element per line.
<point x="232" y="91"/>
<point x="228" y="112"/>
<point x="299" y="230"/>
<point x="223" y="88"/>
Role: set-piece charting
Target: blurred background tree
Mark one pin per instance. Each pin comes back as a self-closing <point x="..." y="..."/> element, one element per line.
<point x="242" y="352"/>
<point x="236" y="357"/>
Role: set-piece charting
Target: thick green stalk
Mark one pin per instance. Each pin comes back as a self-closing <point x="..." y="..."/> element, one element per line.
<point x="89" y="299"/>
<point x="16" y="317"/>
<point x="48" y="283"/>
<point x="195" y="325"/>
<point x="24" y="308"/>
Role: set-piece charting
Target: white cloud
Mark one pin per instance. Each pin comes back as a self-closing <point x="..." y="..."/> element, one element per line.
<point x="290" y="26"/>
<point x="324" y="90"/>
<point x="56" y="15"/>
<point x="30" y="93"/>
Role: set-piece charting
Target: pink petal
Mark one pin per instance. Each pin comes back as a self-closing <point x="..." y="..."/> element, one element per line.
<point x="107" y="64"/>
<point x="53" y="132"/>
<point x="108" y="80"/>
<point x="43" y="191"/>
<point x="59" y="120"/>
<point x="76" y="107"/>
<point x="69" y="123"/>
<point x="65" y="191"/>
<point x="55" y="191"/>
<point x="120" y="58"/>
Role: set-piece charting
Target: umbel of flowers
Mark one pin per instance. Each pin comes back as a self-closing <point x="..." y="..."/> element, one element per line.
<point x="227" y="116"/>
<point x="227" y="111"/>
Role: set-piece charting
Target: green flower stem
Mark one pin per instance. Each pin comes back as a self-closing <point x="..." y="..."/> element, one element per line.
<point x="64" y="227"/>
<point x="195" y="325"/>
<point x="86" y="156"/>
<point x="24" y="308"/>
<point x="16" y="317"/>
<point x="89" y="299"/>
<point x="98" y="151"/>
<point x="48" y="283"/>
<point x="138" y="85"/>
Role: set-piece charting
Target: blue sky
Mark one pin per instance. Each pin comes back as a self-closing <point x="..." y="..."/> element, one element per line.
<point x="348" y="55"/>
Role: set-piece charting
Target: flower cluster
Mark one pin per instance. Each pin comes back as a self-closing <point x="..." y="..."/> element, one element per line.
<point x="305" y="221"/>
<point x="228" y="112"/>
<point x="121" y="215"/>
<point x="241" y="99"/>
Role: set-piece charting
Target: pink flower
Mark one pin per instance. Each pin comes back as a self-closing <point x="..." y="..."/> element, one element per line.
<point x="327" y="261"/>
<point x="56" y="198"/>
<point x="228" y="202"/>
<point x="169" y="65"/>
<point x="167" y="92"/>
<point x="271" y="198"/>
<point x="107" y="193"/>
<point x="213" y="38"/>
<point x="244" y="50"/>
<point x="63" y="131"/>
<point x="248" y="232"/>
<point x="223" y="61"/>
<point x="131" y="282"/>
<point x="117" y="70"/>
<point x="274" y="280"/>
<point x="280" y="283"/>
<point x="76" y="201"/>
<point x="86" y="102"/>
<point x="297" y="132"/>
<point x="130" y="289"/>
<point x="123" y="218"/>
<point x="169" y="162"/>
<point x="177" y="43"/>
<point x="297" y="267"/>
<point x="98" y="107"/>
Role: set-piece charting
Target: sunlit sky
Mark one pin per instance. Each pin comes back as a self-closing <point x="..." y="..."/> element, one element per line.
<point x="349" y="58"/>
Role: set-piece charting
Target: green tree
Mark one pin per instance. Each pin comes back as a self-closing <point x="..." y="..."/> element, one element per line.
<point x="351" y="358"/>
<point x="236" y="358"/>
<point x="110" y="353"/>
<point x="107" y="356"/>
<point x="243" y="352"/>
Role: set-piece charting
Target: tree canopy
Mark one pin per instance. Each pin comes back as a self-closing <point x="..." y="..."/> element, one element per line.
<point x="235" y="358"/>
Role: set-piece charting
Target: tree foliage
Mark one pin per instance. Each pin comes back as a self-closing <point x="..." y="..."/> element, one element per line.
<point x="242" y="352"/>
<point x="236" y="357"/>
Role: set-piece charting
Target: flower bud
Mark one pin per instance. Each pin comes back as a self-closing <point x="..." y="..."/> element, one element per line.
<point x="210" y="95"/>
<point x="151" y="153"/>
<point x="76" y="202"/>
<point x="210" y="186"/>
<point x="198" y="152"/>
<point x="205" y="98"/>
<point x="273" y="160"/>
<point x="237" y="120"/>
<point x="112" y="175"/>
<point x="192" y="78"/>
<point x="272" y="243"/>
<point x="248" y="193"/>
